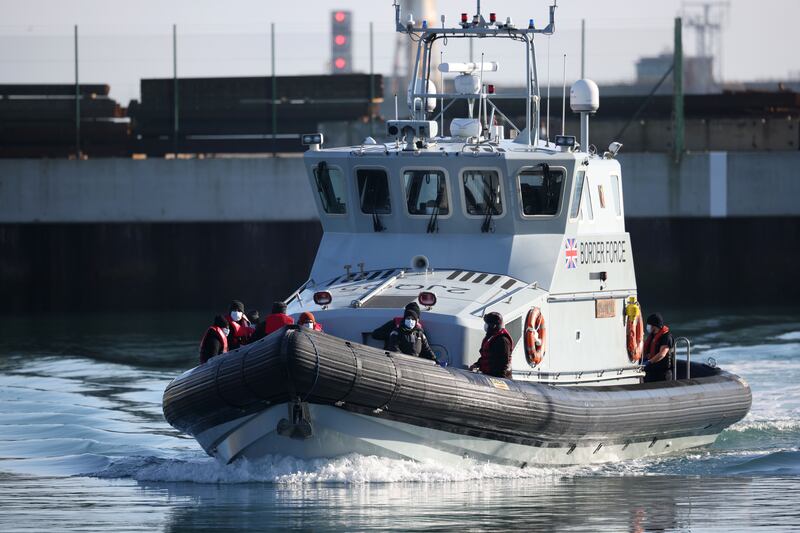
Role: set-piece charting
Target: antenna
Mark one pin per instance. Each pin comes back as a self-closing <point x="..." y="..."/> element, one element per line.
<point x="441" y="87"/>
<point x="481" y="102"/>
<point x="396" y="113"/>
<point x="547" y="122"/>
<point x="563" y="99"/>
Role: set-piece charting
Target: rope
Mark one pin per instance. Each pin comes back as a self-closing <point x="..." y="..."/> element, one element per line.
<point x="316" y="368"/>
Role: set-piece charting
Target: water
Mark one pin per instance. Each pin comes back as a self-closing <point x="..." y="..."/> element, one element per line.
<point x="84" y="447"/>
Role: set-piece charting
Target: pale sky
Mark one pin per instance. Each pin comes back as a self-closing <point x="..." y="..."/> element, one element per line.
<point x="121" y="42"/>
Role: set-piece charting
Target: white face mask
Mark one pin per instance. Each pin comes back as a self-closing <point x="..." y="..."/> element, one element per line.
<point x="226" y="331"/>
<point x="410" y="323"/>
<point x="486" y="327"/>
<point x="309" y="325"/>
<point x="649" y="328"/>
<point x="236" y="316"/>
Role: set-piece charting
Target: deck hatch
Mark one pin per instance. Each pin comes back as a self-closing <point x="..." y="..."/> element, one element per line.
<point x="388" y="302"/>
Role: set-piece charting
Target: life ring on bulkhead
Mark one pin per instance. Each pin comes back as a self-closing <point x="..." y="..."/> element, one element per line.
<point x="634" y="330"/>
<point x="535" y="336"/>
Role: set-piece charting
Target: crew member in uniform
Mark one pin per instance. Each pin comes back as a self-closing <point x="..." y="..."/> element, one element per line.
<point x="408" y="337"/>
<point x="657" y="350"/>
<point x="496" y="348"/>
<point x="215" y="341"/>
<point x="382" y="333"/>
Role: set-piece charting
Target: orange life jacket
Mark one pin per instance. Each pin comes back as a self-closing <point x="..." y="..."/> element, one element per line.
<point x="651" y="344"/>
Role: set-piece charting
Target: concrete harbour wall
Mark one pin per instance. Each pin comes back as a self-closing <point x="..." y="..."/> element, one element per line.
<point x="721" y="228"/>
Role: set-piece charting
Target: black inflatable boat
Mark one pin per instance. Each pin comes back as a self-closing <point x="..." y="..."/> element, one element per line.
<point x="309" y="394"/>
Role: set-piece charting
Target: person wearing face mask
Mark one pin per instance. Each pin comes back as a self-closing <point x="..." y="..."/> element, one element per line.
<point x="657" y="350"/>
<point x="239" y="324"/>
<point x="382" y="333"/>
<point x="307" y="320"/>
<point x="495" y="359"/>
<point x="408" y="338"/>
<point x="215" y="340"/>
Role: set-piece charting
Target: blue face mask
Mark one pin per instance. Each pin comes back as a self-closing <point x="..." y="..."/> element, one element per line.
<point x="649" y="328"/>
<point x="409" y="323"/>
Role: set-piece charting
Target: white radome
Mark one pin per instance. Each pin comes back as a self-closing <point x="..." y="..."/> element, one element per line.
<point x="584" y="96"/>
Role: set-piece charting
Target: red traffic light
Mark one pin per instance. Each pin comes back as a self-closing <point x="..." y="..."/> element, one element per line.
<point x="340" y="63"/>
<point x="339" y="16"/>
<point x="340" y="40"/>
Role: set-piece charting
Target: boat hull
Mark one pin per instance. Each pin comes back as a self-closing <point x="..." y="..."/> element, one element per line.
<point x="310" y="395"/>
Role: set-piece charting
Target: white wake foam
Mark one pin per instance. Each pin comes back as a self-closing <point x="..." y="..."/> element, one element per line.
<point x="349" y="469"/>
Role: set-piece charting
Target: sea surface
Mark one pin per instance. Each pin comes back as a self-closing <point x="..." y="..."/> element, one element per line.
<point x="84" y="447"/>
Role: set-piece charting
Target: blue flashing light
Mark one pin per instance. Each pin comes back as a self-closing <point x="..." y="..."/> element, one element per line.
<point x="424" y="24"/>
<point x="530" y="24"/>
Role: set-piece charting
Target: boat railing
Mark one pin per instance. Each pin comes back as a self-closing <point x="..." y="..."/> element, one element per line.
<point x="688" y="358"/>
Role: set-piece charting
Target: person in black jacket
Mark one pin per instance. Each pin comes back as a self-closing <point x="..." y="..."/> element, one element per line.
<point x="409" y="338"/>
<point x="215" y="340"/>
<point x="658" y="350"/>
<point x="495" y="359"/>
<point x="382" y="333"/>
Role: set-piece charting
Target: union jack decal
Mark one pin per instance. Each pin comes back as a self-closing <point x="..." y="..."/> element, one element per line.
<point x="571" y="253"/>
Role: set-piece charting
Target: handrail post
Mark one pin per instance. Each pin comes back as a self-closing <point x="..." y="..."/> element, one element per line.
<point x="688" y="358"/>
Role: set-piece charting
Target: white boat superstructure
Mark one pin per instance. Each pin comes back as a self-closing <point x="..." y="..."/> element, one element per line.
<point x="487" y="201"/>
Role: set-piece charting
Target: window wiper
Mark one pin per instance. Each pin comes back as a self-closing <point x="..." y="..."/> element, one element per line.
<point x="486" y="227"/>
<point x="433" y="222"/>
<point x="377" y="225"/>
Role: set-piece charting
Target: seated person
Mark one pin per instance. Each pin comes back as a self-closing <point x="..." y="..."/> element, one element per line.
<point x="409" y="338"/>
<point x="382" y="333"/>
<point x="215" y="340"/>
<point x="307" y="320"/>
<point x="495" y="359"/>
<point x="274" y="321"/>
<point x="657" y="351"/>
<point x="239" y="324"/>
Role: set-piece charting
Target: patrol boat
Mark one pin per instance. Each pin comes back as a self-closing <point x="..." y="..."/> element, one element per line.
<point x="492" y="218"/>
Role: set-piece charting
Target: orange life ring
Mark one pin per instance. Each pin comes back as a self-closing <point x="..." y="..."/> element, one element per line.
<point x="535" y="336"/>
<point x="634" y="337"/>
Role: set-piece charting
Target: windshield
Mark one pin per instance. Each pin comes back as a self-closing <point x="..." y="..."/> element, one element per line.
<point x="331" y="189"/>
<point x="540" y="190"/>
<point x="482" y="192"/>
<point x="373" y="191"/>
<point x="426" y="190"/>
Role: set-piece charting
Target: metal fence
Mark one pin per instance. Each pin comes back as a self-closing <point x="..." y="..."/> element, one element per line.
<point x="121" y="56"/>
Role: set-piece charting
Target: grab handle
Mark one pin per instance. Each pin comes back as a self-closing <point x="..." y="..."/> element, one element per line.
<point x="688" y="358"/>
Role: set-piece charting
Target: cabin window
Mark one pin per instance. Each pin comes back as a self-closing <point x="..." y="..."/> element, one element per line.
<point x="426" y="192"/>
<point x="482" y="192"/>
<point x="331" y="189"/>
<point x="373" y="191"/>
<point x="576" y="196"/>
<point x="616" y="195"/>
<point x="540" y="190"/>
<point x="587" y="211"/>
